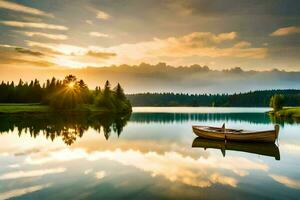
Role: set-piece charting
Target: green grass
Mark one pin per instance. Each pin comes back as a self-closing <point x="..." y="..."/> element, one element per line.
<point x="22" y="108"/>
<point x="38" y="108"/>
<point x="291" y="112"/>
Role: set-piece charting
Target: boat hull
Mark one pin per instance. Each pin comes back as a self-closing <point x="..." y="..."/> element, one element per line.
<point x="266" y="136"/>
<point x="235" y="135"/>
<point x="208" y="134"/>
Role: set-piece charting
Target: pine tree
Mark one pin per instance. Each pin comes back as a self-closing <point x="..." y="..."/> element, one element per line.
<point x="107" y="88"/>
<point x="120" y="92"/>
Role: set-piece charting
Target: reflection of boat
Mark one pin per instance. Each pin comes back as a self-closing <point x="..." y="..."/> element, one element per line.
<point x="257" y="148"/>
<point x="235" y="134"/>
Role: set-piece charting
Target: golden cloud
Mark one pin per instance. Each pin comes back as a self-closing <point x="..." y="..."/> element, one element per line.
<point x="286" y="31"/>
<point x="33" y="25"/>
<point x="102" y="15"/>
<point x="98" y="34"/>
<point x="103" y="55"/>
<point x="25" y="57"/>
<point x="45" y="35"/>
<point x="195" y="44"/>
<point x="28" y="51"/>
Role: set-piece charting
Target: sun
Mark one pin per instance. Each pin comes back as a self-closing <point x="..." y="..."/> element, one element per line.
<point x="71" y="85"/>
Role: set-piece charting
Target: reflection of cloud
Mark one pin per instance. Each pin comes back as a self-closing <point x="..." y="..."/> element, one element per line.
<point x="292" y="148"/>
<point x="199" y="172"/>
<point x="27" y="152"/>
<point x="289" y="182"/>
<point x="33" y="25"/>
<point x="33" y="173"/>
<point x="22" y="191"/>
<point x="14" y="166"/>
<point x="286" y="31"/>
<point x="88" y="171"/>
<point x="100" y="174"/>
<point x="24" y="9"/>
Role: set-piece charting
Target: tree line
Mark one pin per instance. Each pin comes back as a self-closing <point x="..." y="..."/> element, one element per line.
<point x="249" y="99"/>
<point x="69" y="93"/>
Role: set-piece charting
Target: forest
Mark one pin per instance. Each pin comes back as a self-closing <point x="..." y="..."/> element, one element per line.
<point x="68" y="94"/>
<point x="249" y="99"/>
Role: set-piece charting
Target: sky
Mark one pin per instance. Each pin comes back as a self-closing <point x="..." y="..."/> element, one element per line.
<point x="254" y="35"/>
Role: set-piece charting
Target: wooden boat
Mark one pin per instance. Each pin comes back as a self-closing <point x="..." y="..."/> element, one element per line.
<point x="265" y="149"/>
<point x="216" y="133"/>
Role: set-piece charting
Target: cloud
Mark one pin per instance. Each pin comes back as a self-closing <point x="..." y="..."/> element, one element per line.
<point x="59" y="48"/>
<point x="45" y="35"/>
<point x="72" y="50"/>
<point x="33" y="173"/>
<point x="182" y="8"/>
<point x="288" y="182"/>
<point x="102" y="55"/>
<point x="89" y="22"/>
<point x="32" y="63"/>
<point x="201" y="44"/>
<point x="33" y="25"/>
<point x="22" y="191"/>
<point x="24" y="57"/>
<point x="29" y="52"/>
<point x="102" y="15"/>
<point x="24" y="9"/>
<point x="286" y="31"/>
<point x="242" y="44"/>
<point x="97" y="34"/>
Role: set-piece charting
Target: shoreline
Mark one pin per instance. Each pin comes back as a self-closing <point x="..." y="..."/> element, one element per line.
<point x="288" y="112"/>
<point x="36" y="108"/>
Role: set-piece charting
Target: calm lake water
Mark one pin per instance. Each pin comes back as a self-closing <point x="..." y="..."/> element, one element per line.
<point x="147" y="155"/>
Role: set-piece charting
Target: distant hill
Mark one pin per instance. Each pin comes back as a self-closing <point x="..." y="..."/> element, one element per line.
<point x="249" y="99"/>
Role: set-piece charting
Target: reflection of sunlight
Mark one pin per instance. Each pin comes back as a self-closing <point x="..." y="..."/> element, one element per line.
<point x="14" y="166"/>
<point x="33" y="173"/>
<point x="86" y="172"/>
<point x="100" y="174"/>
<point x="199" y="172"/>
<point x="292" y="148"/>
<point x="291" y="183"/>
<point x="19" y="192"/>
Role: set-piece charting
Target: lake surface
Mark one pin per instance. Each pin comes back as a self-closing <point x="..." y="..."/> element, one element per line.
<point x="147" y="155"/>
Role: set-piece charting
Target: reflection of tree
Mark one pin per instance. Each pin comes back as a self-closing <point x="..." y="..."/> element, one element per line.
<point x="283" y="120"/>
<point x="255" y="118"/>
<point x="67" y="126"/>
